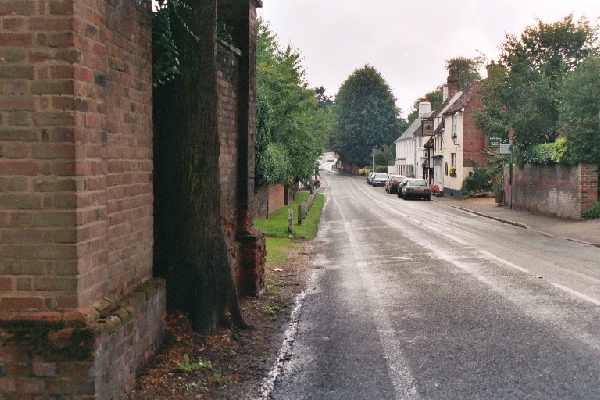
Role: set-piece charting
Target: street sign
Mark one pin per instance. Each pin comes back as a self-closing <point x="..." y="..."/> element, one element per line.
<point x="505" y="149"/>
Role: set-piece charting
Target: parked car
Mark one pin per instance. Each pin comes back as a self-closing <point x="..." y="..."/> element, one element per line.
<point x="379" y="179"/>
<point x="416" y="188"/>
<point x="370" y="176"/>
<point x="401" y="184"/>
<point x="391" y="186"/>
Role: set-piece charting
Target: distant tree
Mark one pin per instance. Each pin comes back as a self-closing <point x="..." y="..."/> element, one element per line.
<point x="366" y="116"/>
<point x="464" y="70"/>
<point x="580" y="112"/>
<point x="323" y="99"/>
<point x="386" y="155"/>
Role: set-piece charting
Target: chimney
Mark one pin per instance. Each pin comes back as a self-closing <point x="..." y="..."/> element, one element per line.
<point x="452" y="83"/>
<point x="445" y="93"/>
<point x="424" y="108"/>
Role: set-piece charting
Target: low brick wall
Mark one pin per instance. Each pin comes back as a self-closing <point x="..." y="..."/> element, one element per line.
<point x="81" y="356"/>
<point x="557" y="190"/>
<point x="269" y="199"/>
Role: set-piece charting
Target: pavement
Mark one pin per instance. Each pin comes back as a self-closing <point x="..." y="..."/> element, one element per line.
<point x="419" y="300"/>
<point x="582" y="231"/>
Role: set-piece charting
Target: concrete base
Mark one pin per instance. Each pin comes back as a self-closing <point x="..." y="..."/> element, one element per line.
<point x="81" y="355"/>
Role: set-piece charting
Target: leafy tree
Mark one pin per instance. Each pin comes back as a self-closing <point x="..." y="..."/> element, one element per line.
<point x="366" y="116"/>
<point x="386" y="155"/>
<point x="292" y="120"/>
<point x="464" y="70"/>
<point x="580" y="112"/>
<point x="165" y="63"/>
<point x="523" y="88"/>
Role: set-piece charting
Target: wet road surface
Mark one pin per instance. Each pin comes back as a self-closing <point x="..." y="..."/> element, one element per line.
<point x="417" y="300"/>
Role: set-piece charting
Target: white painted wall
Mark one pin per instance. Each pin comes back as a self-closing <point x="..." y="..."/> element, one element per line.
<point x="405" y="155"/>
<point x="449" y="147"/>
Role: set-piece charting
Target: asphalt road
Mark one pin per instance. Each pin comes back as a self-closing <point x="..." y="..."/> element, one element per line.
<point x="416" y="300"/>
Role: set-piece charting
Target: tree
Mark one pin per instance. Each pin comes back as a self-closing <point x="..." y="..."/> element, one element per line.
<point x="293" y="120"/>
<point x="193" y="253"/>
<point x="464" y="70"/>
<point x="366" y="116"/>
<point x="522" y="92"/>
<point x="580" y="112"/>
<point x="386" y="155"/>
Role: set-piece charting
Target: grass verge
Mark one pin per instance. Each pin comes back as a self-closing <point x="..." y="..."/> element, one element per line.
<point x="278" y="249"/>
<point x="275" y="228"/>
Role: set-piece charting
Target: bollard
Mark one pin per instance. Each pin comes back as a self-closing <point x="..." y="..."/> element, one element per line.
<point x="290" y="220"/>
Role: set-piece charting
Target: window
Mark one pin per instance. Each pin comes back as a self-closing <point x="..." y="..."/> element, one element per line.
<point x="453" y="165"/>
<point x="455" y="128"/>
<point x="454" y="124"/>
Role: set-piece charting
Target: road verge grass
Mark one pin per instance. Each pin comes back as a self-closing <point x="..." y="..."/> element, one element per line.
<point x="275" y="228"/>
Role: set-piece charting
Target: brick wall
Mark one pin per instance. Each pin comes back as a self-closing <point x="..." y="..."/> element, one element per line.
<point x="228" y="107"/>
<point x="38" y="174"/>
<point x="474" y="140"/>
<point x="560" y="191"/>
<point x="268" y="199"/>
<point x="75" y="152"/>
<point x="589" y="188"/>
<point x="73" y="358"/>
<point x="114" y="135"/>
<point x="79" y="312"/>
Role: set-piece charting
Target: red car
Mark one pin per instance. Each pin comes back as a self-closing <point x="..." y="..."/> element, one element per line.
<point x="391" y="185"/>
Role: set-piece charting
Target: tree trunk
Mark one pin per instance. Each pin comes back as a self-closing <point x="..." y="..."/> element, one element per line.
<point x="201" y="272"/>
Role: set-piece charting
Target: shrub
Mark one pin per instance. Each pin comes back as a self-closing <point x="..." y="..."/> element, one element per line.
<point x="547" y="153"/>
<point x="381" y="169"/>
<point x="480" y="181"/>
<point x="593" y="213"/>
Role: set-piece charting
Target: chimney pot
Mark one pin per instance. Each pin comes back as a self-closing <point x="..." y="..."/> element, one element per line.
<point x="424" y="109"/>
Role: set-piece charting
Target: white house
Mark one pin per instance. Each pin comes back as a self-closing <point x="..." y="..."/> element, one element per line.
<point x="411" y="158"/>
<point x="451" y="95"/>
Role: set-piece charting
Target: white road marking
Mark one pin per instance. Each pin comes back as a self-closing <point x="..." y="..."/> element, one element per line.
<point x="400" y="374"/>
<point x="576" y="293"/>
<point x="485" y="253"/>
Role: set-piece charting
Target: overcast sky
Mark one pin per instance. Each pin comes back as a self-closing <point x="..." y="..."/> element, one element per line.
<point x="407" y="41"/>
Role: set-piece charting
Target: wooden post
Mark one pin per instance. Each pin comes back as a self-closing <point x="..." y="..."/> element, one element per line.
<point x="290" y="220"/>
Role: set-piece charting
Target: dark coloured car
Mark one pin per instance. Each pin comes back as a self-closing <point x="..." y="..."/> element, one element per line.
<point x="391" y="186"/>
<point x="416" y="189"/>
<point x="379" y="179"/>
<point x="403" y="182"/>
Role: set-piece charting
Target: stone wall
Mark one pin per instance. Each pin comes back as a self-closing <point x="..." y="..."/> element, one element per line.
<point x="77" y="298"/>
<point x="560" y="191"/>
